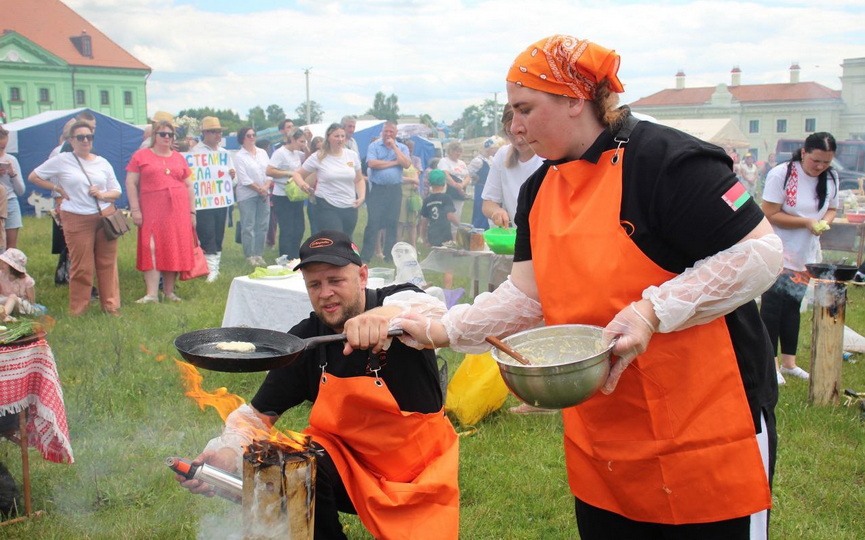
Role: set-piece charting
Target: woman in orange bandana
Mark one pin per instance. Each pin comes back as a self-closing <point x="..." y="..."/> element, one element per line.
<point x="645" y="231"/>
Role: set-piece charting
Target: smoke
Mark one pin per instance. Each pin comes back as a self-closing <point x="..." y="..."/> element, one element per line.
<point x="225" y="526"/>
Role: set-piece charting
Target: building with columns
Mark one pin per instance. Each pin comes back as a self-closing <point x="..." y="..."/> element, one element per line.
<point x="766" y="113"/>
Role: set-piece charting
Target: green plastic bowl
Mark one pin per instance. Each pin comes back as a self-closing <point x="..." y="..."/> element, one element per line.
<point x="501" y="241"/>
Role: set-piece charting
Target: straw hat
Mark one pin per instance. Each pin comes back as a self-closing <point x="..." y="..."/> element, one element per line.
<point x="210" y="122"/>
<point x="16" y="259"/>
<point x="160" y="116"/>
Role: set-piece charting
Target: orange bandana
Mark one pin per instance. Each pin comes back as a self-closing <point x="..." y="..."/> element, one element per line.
<point x="566" y="66"/>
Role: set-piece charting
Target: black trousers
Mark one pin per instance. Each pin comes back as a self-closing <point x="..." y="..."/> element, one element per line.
<point x="383" y="206"/>
<point x="210" y="226"/>
<point x="332" y="218"/>
<point x="779" y="309"/>
<point x="330" y="499"/>
<point x="597" y="524"/>
<point x="289" y="216"/>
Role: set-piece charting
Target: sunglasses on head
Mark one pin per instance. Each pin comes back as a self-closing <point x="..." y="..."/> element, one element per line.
<point x="167" y="134"/>
<point x="82" y="138"/>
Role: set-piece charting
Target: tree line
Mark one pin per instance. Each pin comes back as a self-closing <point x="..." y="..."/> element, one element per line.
<point x="476" y="120"/>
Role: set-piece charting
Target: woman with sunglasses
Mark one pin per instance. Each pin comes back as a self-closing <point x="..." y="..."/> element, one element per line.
<point x="87" y="186"/>
<point x="159" y="186"/>
<point x="253" y="190"/>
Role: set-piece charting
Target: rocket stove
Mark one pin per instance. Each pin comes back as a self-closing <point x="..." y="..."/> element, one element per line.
<point x="827" y="331"/>
<point x="276" y="491"/>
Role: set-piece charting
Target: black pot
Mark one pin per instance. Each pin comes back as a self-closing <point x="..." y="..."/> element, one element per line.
<point x="831" y="272"/>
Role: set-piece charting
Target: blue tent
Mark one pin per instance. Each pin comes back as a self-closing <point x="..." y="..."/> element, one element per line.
<point x="424" y="149"/>
<point x="32" y="139"/>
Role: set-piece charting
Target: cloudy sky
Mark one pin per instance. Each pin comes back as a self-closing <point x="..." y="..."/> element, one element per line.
<point x="441" y="56"/>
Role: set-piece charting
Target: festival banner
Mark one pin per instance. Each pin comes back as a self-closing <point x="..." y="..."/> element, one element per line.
<point x="211" y="179"/>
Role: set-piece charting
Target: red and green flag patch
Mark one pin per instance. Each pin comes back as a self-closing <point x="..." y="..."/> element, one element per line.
<point x="736" y="196"/>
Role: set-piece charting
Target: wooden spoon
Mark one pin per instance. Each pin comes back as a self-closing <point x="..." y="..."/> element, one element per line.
<point x="500" y="345"/>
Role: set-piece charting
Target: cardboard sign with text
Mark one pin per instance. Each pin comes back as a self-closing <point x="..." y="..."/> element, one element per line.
<point x="211" y="179"/>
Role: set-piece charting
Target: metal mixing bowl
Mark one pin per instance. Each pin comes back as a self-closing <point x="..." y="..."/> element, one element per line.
<point x="571" y="365"/>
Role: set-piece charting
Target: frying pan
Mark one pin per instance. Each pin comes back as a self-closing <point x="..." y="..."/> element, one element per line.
<point x="272" y="349"/>
<point x="831" y="271"/>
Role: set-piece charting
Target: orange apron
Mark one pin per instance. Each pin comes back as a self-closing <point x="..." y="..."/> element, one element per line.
<point x="675" y="443"/>
<point x="399" y="468"/>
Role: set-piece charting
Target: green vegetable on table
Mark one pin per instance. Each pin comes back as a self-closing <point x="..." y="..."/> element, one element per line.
<point x="261" y="272"/>
<point x="19" y="329"/>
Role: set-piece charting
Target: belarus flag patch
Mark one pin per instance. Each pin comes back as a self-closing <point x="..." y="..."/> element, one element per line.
<point x="736" y="196"/>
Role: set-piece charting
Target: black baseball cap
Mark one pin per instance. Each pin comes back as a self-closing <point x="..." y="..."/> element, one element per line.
<point x="331" y="247"/>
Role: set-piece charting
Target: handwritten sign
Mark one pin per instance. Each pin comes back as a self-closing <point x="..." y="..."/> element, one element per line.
<point x="211" y="179"/>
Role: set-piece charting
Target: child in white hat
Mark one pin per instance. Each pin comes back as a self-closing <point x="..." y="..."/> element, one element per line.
<point x="17" y="288"/>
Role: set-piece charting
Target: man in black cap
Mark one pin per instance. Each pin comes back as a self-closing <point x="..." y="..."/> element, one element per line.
<point x="388" y="453"/>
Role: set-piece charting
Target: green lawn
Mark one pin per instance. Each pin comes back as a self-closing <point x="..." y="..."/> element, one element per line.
<point x="127" y="413"/>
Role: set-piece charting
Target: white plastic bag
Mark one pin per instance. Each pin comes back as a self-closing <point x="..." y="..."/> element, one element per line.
<point x="408" y="268"/>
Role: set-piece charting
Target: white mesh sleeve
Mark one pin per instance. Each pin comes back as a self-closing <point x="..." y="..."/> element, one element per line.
<point x="240" y="426"/>
<point x="505" y="311"/>
<point x="718" y="284"/>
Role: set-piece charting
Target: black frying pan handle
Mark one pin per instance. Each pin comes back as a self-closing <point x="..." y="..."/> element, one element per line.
<point x="321" y="340"/>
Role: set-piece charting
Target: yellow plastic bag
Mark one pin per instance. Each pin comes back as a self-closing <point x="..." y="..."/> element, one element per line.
<point x="476" y="389"/>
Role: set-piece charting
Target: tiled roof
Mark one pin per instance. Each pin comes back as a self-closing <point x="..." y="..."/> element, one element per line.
<point x="50" y="24"/>
<point x="752" y="93"/>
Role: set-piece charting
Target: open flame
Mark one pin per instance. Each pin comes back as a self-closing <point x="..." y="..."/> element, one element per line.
<point x="801" y="278"/>
<point x="221" y="399"/>
<point x="225" y="402"/>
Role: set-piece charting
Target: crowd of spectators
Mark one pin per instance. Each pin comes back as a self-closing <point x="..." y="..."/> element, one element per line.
<point x="278" y="189"/>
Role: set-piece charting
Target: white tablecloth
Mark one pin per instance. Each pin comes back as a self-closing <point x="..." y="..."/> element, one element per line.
<point x="275" y="304"/>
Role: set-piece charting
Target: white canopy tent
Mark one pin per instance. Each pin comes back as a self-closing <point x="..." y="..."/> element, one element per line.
<point x="720" y="131"/>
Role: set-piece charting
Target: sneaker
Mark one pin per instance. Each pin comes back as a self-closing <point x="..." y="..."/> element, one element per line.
<point x="859" y="278"/>
<point x="252" y="260"/>
<point x="796" y="372"/>
<point x="781" y="380"/>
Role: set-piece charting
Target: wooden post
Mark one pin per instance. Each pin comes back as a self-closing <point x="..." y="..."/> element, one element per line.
<point x="278" y="494"/>
<point x="827" y="342"/>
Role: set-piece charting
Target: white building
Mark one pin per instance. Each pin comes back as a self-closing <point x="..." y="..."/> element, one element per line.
<point x="766" y="113"/>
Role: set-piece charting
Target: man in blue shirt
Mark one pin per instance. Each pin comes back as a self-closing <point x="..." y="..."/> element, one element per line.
<point x="386" y="159"/>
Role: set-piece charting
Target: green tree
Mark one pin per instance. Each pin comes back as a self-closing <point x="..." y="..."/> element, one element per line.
<point x="316" y="113"/>
<point x="385" y="108"/>
<point x="229" y="119"/>
<point x="492" y="112"/>
<point x="479" y="120"/>
<point x="257" y="119"/>
<point x="471" y="123"/>
<point x="275" y="114"/>
<point x="427" y="120"/>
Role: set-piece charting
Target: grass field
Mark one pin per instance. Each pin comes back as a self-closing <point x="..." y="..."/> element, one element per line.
<point x="127" y="413"/>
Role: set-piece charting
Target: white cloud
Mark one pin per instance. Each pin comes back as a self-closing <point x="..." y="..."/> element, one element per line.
<point x="440" y="57"/>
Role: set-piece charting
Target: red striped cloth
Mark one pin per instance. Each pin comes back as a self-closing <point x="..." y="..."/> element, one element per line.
<point x="29" y="381"/>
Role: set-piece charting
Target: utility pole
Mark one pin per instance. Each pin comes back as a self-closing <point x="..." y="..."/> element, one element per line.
<point x="308" y="116"/>
<point x="495" y="113"/>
